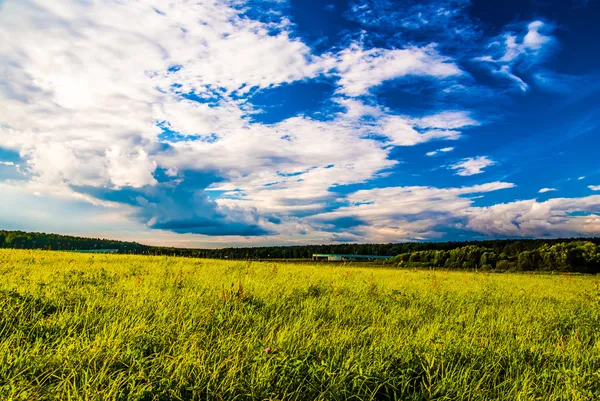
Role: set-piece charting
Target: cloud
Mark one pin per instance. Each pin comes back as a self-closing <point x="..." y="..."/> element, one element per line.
<point x="151" y="124"/>
<point x="513" y="55"/>
<point x="535" y="40"/>
<point x="594" y="187"/>
<point x="7" y="163"/>
<point x="73" y="128"/>
<point x="530" y="218"/>
<point x="472" y="165"/>
<point x="130" y="170"/>
<point x="417" y="213"/>
<point x="292" y="173"/>
<point x="27" y="206"/>
<point x="400" y="133"/>
<point x="446" y="120"/>
<point x="438" y="151"/>
<point x="555" y="82"/>
<point x="445" y="20"/>
<point x="544" y="190"/>
<point x="361" y="69"/>
<point x="178" y="100"/>
<point x="407" y="213"/>
<point x="581" y="178"/>
<point x="96" y="122"/>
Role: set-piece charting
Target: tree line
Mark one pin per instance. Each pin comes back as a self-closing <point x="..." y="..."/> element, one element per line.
<point x="570" y="254"/>
<point x="57" y="242"/>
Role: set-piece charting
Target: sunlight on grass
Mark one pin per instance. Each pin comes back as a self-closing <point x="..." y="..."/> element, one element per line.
<point x="112" y="327"/>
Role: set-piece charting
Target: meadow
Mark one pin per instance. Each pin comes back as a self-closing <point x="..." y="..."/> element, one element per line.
<point x="117" y="327"/>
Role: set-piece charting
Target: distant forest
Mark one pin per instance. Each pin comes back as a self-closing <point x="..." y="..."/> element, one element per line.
<point x="568" y="255"/>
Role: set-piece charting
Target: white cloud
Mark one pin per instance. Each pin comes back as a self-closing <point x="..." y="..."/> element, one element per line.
<point x="260" y="176"/>
<point x="535" y="40"/>
<point x="407" y="213"/>
<point x="407" y="131"/>
<point x="130" y="169"/>
<point x="472" y="165"/>
<point x="402" y="133"/>
<point x="115" y="81"/>
<point x="581" y="178"/>
<point x="544" y="190"/>
<point x="445" y="20"/>
<point x="531" y="218"/>
<point x="83" y="89"/>
<point x="446" y="120"/>
<point x="520" y="52"/>
<point x="594" y="187"/>
<point x="92" y="122"/>
<point x="256" y="155"/>
<point x="438" y="151"/>
<point x="7" y="163"/>
<point x="361" y="69"/>
<point x="506" y="71"/>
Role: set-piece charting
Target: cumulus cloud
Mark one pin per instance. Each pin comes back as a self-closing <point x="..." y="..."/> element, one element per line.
<point x="298" y="174"/>
<point x="65" y="91"/>
<point x="130" y="170"/>
<point x="413" y="213"/>
<point x="407" y="213"/>
<point x="150" y="123"/>
<point x="304" y="183"/>
<point x="472" y="165"/>
<point x="594" y="187"/>
<point x="530" y="218"/>
<point x="93" y="101"/>
<point x="544" y="190"/>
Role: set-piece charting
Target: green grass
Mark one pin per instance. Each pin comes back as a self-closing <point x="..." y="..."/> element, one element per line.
<point x="111" y="327"/>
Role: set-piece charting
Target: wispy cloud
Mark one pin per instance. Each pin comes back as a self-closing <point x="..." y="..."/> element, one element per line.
<point x="594" y="187"/>
<point x="361" y="69"/>
<point x="444" y="20"/>
<point x="446" y="120"/>
<point x="472" y="165"/>
<point x="438" y="151"/>
<point x="544" y="190"/>
<point x="516" y="52"/>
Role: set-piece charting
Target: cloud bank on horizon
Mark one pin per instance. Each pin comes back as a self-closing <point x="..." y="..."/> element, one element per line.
<point x="275" y="122"/>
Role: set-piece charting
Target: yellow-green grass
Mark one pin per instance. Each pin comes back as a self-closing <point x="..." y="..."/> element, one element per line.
<point x="112" y="327"/>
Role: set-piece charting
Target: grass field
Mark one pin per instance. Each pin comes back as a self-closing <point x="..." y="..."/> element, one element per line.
<point x="111" y="327"/>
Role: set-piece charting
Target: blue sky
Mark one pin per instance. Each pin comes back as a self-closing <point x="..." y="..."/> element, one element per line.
<point x="291" y="122"/>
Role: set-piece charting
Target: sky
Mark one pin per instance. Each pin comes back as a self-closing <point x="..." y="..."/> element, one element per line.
<point x="262" y="122"/>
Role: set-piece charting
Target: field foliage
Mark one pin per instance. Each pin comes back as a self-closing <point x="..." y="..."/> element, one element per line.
<point x="117" y="327"/>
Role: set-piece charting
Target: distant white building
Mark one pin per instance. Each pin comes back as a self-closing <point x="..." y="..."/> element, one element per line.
<point x="340" y="257"/>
